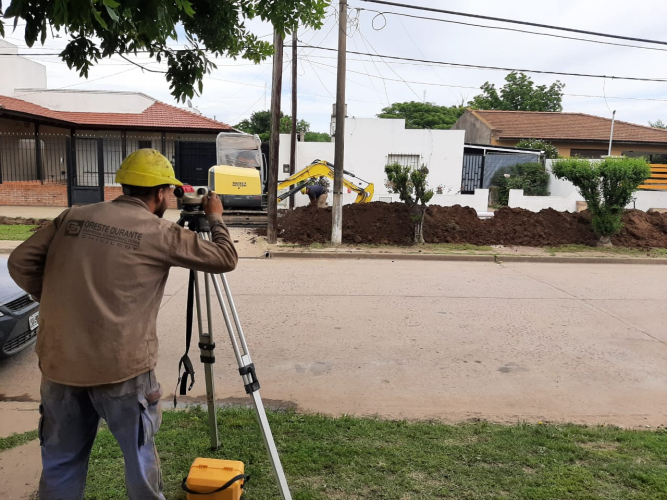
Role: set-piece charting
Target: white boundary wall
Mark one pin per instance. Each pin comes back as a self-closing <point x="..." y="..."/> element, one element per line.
<point x="369" y="141"/>
<point x="564" y="197"/>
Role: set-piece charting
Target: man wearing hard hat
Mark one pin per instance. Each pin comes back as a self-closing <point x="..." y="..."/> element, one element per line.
<point x="99" y="273"/>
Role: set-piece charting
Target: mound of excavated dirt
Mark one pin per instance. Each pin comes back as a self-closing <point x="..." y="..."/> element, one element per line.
<point x="389" y="224"/>
<point x="14" y="221"/>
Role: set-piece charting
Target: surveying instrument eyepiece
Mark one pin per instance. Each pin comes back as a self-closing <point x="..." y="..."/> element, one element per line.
<point x="193" y="218"/>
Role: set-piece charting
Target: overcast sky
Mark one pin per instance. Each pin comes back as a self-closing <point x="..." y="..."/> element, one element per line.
<point x="236" y="89"/>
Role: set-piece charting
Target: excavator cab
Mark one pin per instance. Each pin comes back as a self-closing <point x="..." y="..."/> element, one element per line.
<point x="239" y="174"/>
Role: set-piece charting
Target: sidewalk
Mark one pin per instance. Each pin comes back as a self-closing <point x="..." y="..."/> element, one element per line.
<point x="20" y="467"/>
<point x="53" y="212"/>
<point x="248" y="244"/>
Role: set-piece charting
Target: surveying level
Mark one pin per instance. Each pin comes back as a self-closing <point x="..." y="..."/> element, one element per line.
<point x="193" y="217"/>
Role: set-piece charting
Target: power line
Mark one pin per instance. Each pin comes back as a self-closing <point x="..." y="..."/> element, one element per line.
<point x="497" y="68"/>
<point x="477" y="88"/>
<point x="502" y="28"/>
<point x="514" y="21"/>
<point x="392" y="69"/>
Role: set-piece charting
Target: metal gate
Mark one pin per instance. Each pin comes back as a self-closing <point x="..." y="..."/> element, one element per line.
<point x="85" y="160"/>
<point x="193" y="161"/>
<point x="473" y="173"/>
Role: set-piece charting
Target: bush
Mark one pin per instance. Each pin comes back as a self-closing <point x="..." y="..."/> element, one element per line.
<point x="607" y="186"/>
<point x="550" y="151"/>
<point x="531" y="177"/>
<point x="412" y="188"/>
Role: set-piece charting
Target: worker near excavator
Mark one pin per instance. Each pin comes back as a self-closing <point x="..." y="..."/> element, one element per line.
<point x="317" y="194"/>
<point x="99" y="273"/>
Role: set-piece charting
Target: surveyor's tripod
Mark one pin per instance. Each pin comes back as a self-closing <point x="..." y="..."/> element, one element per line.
<point x="194" y="219"/>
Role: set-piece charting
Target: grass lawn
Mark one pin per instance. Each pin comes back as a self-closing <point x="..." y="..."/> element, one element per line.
<point x="354" y="458"/>
<point x="19" y="232"/>
<point x="17" y="440"/>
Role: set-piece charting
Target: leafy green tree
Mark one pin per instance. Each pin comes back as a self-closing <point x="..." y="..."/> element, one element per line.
<point x="98" y="29"/>
<point x="260" y="123"/>
<point x="520" y="94"/>
<point x="424" y="114"/>
<point x="412" y="188"/>
<point x="657" y="124"/>
<point x="550" y="151"/>
<point x="607" y="186"/>
<point x="317" y="137"/>
<point x="531" y="177"/>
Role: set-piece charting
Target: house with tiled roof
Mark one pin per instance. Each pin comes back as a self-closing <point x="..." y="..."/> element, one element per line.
<point x="574" y="134"/>
<point x="72" y="142"/>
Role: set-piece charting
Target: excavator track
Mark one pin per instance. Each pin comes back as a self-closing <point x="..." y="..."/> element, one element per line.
<point x="244" y="218"/>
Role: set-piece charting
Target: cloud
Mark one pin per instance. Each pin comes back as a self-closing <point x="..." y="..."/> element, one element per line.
<point x="370" y="85"/>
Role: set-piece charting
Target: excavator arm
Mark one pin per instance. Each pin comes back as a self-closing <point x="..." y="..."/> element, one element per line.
<point x="320" y="168"/>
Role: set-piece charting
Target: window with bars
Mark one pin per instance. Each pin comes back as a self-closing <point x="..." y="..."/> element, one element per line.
<point x="406" y="160"/>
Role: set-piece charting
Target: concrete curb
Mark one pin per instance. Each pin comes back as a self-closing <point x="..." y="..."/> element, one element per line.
<point x="381" y="256"/>
<point x="468" y="258"/>
<point x="580" y="260"/>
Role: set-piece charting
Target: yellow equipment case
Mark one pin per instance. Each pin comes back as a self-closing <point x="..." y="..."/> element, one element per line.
<point x="214" y="479"/>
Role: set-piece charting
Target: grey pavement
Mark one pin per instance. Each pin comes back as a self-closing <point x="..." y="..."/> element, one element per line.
<point x="443" y="340"/>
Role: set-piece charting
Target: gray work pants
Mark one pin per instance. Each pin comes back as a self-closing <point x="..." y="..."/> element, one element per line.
<point x="68" y="426"/>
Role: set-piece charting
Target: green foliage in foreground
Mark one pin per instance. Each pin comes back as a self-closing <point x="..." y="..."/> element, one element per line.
<point x="607" y="186"/>
<point x="355" y="458"/>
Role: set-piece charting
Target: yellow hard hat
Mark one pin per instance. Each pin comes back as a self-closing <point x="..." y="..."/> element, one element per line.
<point x="303" y="190"/>
<point x="146" y="168"/>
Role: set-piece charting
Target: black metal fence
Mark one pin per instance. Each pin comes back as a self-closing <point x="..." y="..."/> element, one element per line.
<point x="21" y="160"/>
<point x="55" y="158"/>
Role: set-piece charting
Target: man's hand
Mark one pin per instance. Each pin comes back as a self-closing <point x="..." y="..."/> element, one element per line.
<point x="212" y="204"/>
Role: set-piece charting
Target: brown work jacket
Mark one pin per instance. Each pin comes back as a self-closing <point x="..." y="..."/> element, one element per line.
<point x="99" y="273"/>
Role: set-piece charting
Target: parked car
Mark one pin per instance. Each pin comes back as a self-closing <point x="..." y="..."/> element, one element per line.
<point x="18" y="315"/>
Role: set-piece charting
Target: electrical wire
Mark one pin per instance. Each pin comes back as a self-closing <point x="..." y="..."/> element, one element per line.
<point x="407" y="32"/>
<point x="78" y="83"/>
<point x="514" y="21"/>
<point x="392" y="69"/>
<point x="497" y="68"/>
<point x="367" y="74"/>
<point x="318" y="77"/>
<point x="477" y="88"/>
<point x="150" y="70"/>
<point x="501" y="28"/>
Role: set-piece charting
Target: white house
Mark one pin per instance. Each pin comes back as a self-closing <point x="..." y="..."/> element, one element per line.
<point x="372" y="143"/>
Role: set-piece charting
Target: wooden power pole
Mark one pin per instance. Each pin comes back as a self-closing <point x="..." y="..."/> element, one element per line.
<point x="339" y="147"/>
<point x="274" y="148"/>
<point x="292" y="157"/>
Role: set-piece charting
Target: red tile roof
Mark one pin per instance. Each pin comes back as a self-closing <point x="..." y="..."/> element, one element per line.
<point x="157" y="116"/>
<point x="565" y="126"/>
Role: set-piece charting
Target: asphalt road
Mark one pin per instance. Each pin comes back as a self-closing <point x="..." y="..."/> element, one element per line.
<point x="444" y="340"/>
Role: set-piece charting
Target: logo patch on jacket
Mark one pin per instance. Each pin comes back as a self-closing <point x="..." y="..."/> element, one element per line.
<point x="73" y="228"/>
<point x="102" y="233"/>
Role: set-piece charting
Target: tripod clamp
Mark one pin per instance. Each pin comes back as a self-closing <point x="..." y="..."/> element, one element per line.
<point x="248" y="372"/>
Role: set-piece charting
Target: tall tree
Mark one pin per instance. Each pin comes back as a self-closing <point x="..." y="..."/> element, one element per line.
<point x="260" y="123"/>
<point x="520" y="94"/>
<point x="423" y="114"/>
<point x="101" y="28"/>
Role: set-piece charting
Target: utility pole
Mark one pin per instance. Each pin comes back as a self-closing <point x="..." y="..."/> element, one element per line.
<point x="274" y="148"/>
<point x="611" y="135"/>
<point x="339" y="147"/>
<point x="292" y="157"/>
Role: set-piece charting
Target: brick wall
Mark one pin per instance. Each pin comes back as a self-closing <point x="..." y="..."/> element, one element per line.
<point x="34" y="194"/>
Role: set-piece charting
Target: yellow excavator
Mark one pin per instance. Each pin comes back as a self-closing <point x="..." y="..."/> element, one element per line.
<point x="320" y="168"/>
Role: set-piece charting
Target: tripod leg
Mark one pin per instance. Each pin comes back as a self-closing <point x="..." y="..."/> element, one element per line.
<point x="247" y="370"/>
<point x="207" y="357"/>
